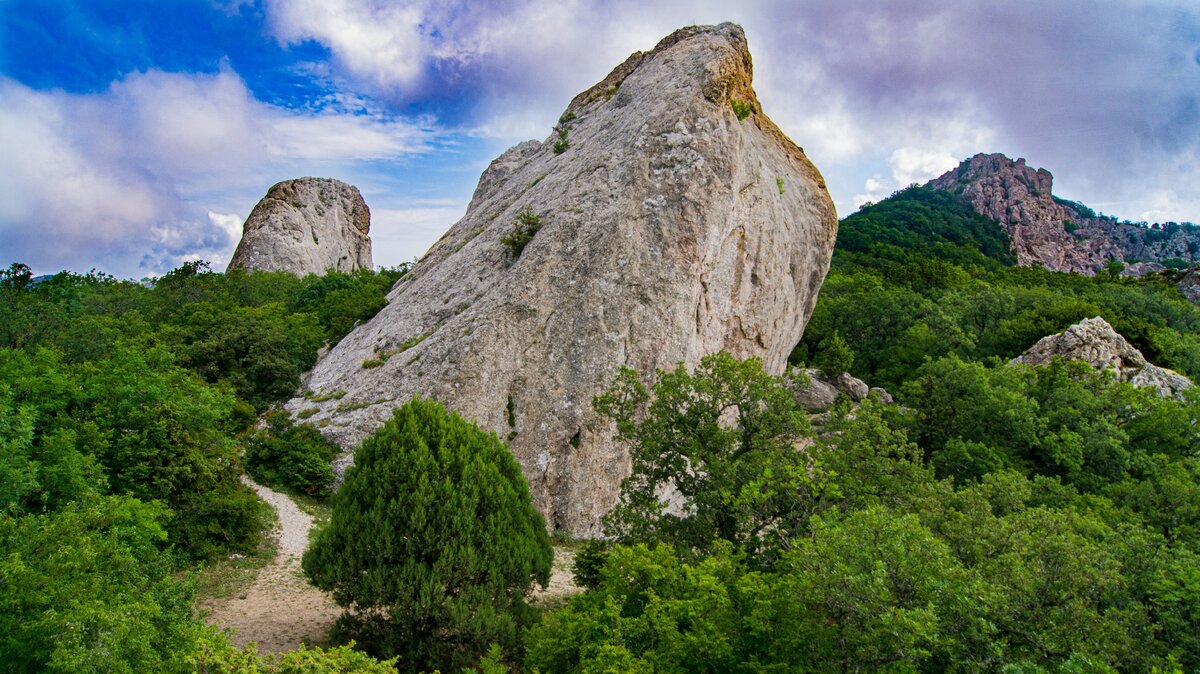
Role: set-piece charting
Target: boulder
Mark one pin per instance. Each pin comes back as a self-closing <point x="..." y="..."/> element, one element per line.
<point x="663" y="219"/>
<point x="1096" y="343"/>
<point x="819" y="395"/>
<point x="307" y="226"/>
<point x="822" y="392"/>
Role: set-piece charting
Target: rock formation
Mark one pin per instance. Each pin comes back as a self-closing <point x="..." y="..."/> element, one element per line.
<point x="1057" y="234"/>
<point x="1096" y="343"/>
<point x="1189" y="285"/>
<point x="670" y="218"/>
<point x="822" y="392"/>
<point x="307" y="225"/>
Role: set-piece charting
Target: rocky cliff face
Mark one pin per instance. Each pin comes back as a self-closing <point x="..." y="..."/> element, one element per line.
<point x="307" y="225"/>
<point x="675" y="220"/>
<point x="1096" y="343"/>
<point x="1057" y="234"/>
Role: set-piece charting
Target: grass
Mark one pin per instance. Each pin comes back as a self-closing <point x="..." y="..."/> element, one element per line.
<point x="228" y="577"/>
<point x="322" y="397"/>
<point x="383" y="356"/>
<point x="319" y="509"/>
<point x="742" y="109"/>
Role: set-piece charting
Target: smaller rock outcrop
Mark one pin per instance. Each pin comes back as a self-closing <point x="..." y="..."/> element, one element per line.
<point x="1096" y="343"/>
<point x="307" y="226"/>
<point x="1189" y="285"/>
<point x="822" y="392"/>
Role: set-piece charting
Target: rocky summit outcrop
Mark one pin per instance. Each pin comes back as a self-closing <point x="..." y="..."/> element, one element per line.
<point x="1058" y="234"/>
<point x="307" y="225"/>
<point x="1096" y="343"/>
<point x="669" y="219"/>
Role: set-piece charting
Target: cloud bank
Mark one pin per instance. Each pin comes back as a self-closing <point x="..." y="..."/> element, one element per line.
<point x="160" y="167"/>
<point x="141" y="176"/>
<point x="874" y="90"/>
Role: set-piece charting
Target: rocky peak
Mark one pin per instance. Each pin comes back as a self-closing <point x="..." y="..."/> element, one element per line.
<point x="667" y="218"/>
<point x="307" y="225"/>
<point x="1057" y="234"/>
<point x="1021" y="200"/>
<point x="1096" y="343"/>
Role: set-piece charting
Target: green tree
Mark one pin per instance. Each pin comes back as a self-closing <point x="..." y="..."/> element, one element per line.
<point x="724" y="439"/>
<point x="650" y="612"/>
<point x="88" y="589"/>
<point x="835" y="356"/>
<point x="291" y="457"/>
<point x="433" y="542"/>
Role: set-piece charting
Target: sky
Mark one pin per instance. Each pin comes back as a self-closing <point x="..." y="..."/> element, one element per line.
<point x="136" y="135"/>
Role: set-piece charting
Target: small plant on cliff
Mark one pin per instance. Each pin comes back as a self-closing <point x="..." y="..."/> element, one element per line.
<point x="434" y="542"/>
<point x="526" y="225"/>
<point x="562" y="129"/>
<point x="742" y="109"/>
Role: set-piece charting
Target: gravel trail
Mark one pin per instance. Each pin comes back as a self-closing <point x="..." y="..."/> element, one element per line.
<point x="281" y="609"/>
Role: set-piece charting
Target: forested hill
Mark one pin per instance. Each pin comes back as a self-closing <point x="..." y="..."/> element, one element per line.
<point x="919" y="223"/>
<point x="922" y="275"/>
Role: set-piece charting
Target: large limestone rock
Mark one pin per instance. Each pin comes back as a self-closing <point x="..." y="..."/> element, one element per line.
<point x="1058" y="234"/>
<point x="307" y="225"/>
<point x="1096" y="343"/>
<point x="670" y="229"/>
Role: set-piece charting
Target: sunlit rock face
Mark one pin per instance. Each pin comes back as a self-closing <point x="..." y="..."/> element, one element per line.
<point x="676" y="220"/>
<point x="307" y="226"/>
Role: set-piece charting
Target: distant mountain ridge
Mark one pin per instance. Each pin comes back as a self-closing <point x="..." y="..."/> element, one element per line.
<point x="1058" y="234"/>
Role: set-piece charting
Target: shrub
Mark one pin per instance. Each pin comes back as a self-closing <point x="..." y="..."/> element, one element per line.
<point x="524" y="227"/>
<point x="291" y="457"/>
<point x="434" y="542"/>
<point x="589" y="561"/>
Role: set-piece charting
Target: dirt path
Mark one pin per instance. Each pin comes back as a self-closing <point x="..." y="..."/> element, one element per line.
<point x="280" y="610"/>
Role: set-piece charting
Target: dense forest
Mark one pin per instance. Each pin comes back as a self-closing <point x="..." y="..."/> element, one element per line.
<point x="124" y="409"/>
<point x="996" y="517"/>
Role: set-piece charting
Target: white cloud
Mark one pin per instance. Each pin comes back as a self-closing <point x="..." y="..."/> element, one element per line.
<point x="400" y="234"/>
<point x="874" y="189"/>
<point x="230" y="223"/>
<point x="142" y="175"/>
<point x="915" y="165"/>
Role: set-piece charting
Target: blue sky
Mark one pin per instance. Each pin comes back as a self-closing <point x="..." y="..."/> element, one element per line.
<point x="135" y="135"/>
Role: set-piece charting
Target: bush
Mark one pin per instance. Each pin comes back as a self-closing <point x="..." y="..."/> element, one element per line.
<point x="88" y="589"/>
<point x="434" y="542"/>
<point x="291" y="457"/>
<point x="526" y="225"/>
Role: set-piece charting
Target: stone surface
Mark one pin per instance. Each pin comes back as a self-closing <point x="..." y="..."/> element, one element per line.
<point x="822" y="392"/>
<point x="1096" y="343"/>
<point x="670" y="229"/>
<point x="852" y="386"/>
<point x="1057" y="234"/>
<point x="884" y="397"/>
<point x="307" y="225"/>
<point x="1189" y="285"/>
<point x="818" y="395"/>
